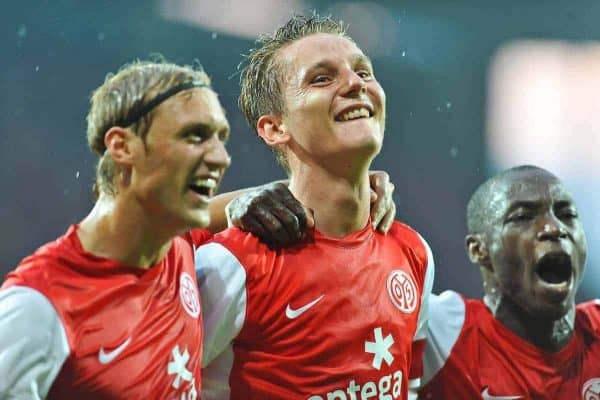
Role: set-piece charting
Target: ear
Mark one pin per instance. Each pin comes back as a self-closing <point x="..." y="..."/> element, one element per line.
<point x="477" y="251"/>
<point x="119" y="144"/>
<point x="272" y="130"/>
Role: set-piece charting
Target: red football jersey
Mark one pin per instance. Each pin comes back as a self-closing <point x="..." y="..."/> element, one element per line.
<point x="471" y="355"/>
<point x="77" y="326"/>
<point x="330" y="319"/>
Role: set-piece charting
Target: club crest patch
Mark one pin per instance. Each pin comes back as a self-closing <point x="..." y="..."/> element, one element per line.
<point x="402" y="291"/>
<point x="188" y="293"/>
<point x="591" y="390"/>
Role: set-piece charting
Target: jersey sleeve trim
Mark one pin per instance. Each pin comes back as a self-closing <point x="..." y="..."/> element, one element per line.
<point x="34" y="344"/>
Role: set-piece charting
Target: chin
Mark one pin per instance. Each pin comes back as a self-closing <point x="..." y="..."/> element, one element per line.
<point x="553" y="311"/>
<point x="198" y="219"/>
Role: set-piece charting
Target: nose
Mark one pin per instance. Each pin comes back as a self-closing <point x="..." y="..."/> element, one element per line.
<point x="354" y="83"/>
<point x="552" y="229"/>
<point x="217" y="156"/>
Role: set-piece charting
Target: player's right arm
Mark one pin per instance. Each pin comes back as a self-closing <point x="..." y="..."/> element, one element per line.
<point x="33" y="344"/>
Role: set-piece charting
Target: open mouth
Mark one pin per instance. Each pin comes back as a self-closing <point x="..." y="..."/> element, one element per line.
<point x="355" y="113"/>
<point x="201" y="190"/>
<point x="554" y="268"/>
<point x="203" y="187"/>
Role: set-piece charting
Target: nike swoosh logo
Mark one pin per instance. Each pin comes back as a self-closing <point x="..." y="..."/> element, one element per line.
<point x="487" y="396"/>
<point x="105" y="357"/>
<point x="291" y="313"/>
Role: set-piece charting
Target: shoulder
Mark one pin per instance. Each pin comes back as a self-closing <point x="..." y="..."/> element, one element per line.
<point x="29" y="325"/>
<point x="47" y="263"/>
<point x="589" y="314"/>
<point x="234" y="246"/>
<point x="411" y="243"/>
<point x="197" y="237"/>
<point x="447" y="313"/>
<point x="407" y="237"/>
<point x="23" y="308"/>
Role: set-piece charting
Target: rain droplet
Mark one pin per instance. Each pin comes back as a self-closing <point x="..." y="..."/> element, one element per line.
<point x="403" y="53"/>
<point x="439" y="109"/>
<point x="101" y="36"/>
<point x="77" y="175"/>
<point x="453" y="152"/>
<point x="448" y="105"/>
<point x="214" y="35"/>
<point x="22" y="31"/>
<point x="410" y="114"/>
<point x="37" y="68"/>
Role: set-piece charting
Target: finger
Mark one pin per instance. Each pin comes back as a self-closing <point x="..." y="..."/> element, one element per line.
<point x="276" y="230"/>
<point x="387" y="221"/>
<point x="378" y="210"/>
<point x="254" y="226"/>
<point x="379" y="181"/>
<point x="310" y="217"/>
<point x="294" y="207"/>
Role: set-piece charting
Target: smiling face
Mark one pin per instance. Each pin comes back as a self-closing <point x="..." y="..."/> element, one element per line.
<point x="334" y="106"/>
<point x="183" y="159"/>
<point x="537" y="247"/>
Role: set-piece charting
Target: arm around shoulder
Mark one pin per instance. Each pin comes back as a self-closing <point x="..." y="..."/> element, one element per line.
<point x="33" y="344"/>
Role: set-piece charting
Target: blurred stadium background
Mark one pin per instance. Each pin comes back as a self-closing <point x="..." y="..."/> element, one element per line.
<point x="473" y="87"/>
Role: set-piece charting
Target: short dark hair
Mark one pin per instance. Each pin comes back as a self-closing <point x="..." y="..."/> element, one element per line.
<point x="480" y="206"/>
<point x="261" y="74"/>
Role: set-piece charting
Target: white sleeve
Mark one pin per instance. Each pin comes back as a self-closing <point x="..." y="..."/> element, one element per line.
<point x="33" y="344"/>
<point x="222" y="283"/>
<point x="447" y="317"/>
<point x="423" y="319"/>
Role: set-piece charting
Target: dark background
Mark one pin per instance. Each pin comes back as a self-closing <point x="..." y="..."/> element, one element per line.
<point x="430" y="56"/>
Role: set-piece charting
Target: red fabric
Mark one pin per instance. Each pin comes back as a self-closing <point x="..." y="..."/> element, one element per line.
<point x="488" y="358"/>
<point x="321" y="354"/>
<point x="102" y="303"/>
<point x="416" y="367"/>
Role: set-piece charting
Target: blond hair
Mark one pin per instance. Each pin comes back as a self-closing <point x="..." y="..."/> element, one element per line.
<point x="121" y="97"/>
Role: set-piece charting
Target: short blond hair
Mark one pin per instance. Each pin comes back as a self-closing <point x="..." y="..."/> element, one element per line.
<point x="262" y="75"/>
<point x="120" y="97"/>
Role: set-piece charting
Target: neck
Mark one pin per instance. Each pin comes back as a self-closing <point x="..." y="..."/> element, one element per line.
<point x="119" y="229"/>
<point x="548" y="334"/>
<point x="340" y="204"/>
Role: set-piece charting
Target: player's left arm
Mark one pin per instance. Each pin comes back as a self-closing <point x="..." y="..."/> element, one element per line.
<point x="418" y="344"/>
<point x="272" y="213"/>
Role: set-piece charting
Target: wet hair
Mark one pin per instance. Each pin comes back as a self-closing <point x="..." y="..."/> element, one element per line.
<point x="128" y="99"/>
<point x="262" y="74"/>
<point x="480" y="209"/>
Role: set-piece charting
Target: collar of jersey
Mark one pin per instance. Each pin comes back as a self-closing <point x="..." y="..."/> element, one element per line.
<point x="521" y="348"/>
<point x="351" y="240"/>
<point x="88" y="260"/>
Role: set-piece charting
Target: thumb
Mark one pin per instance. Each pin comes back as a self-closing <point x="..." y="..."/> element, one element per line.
<point x="310" y="217"/>
<point x="374" y="196"/>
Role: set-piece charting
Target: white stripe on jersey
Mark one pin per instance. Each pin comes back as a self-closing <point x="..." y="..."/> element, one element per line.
<point x="447" y="317"/>
<point x="33" y="344"/>
<point x="222" y="282"/>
